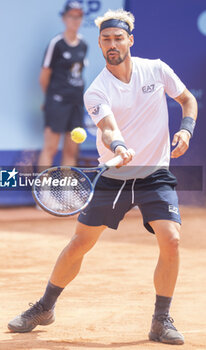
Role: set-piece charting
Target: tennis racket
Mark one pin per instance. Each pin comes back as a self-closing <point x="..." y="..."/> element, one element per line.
<point x="64" y="191"/>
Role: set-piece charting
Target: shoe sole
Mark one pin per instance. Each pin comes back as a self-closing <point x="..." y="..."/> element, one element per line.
<point x="16" y="330"/>
<point x="153" y="337"/>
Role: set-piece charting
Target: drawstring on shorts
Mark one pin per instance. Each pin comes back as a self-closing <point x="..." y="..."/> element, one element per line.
<point x="120" y="191"/>
<point x="133" y="191"/>
<point x="118" y="194"/>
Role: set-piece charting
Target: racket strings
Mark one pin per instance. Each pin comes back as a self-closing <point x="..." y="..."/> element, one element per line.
<point x="63" y="190"/>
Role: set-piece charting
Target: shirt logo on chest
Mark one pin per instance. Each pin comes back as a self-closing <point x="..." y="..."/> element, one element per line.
<point x="67" y="55"/>
<point x="148" y="88"/>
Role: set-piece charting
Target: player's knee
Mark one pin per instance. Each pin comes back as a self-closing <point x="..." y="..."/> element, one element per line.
<point x="80" y="245"/>
<point x="172" y="242"/>
<point x="169" y="241"/>
<point x="173" y="245"/>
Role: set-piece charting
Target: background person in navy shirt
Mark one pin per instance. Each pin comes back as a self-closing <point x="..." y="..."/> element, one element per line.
<point x="61" y="81"/>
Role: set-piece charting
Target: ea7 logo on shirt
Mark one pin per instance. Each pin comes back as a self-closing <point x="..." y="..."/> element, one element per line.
<point x="94" y="110"/>
<point x="148" y="88"/>
<point x="173" y="209"/>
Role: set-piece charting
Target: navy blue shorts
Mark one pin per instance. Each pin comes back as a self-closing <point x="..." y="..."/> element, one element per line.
<point x="61" y="115"/>
<point x="155" y="196"/>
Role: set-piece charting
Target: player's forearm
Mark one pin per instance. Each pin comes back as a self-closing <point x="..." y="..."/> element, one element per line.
<point x="189" y="104"/>
<point x="110" y="131"/>
<point x="108" y="136"/>
<point x="189" y="109"/>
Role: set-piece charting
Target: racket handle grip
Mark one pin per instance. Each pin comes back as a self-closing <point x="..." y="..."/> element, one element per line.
<point x="114" y="161"/>
<point x="117" y="160"/>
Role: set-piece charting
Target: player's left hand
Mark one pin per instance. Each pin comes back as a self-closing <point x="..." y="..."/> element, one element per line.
<point x="181" y="139"/>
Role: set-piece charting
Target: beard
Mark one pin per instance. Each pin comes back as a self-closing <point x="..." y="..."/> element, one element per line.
<point x="115" y="61"/>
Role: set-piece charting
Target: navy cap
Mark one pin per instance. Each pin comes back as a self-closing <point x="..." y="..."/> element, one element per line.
<point x="71" y="5"/>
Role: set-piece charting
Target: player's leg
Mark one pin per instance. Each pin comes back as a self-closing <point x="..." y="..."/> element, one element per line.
<point x="165" y="276"/>
<point x="69" y="262"/>
<point x="51" y="141"/>
<point x="65" y="270"/>
<point x="159" y="206"/>
<point x="70" y="151"/>
<point x="98" y="215"/>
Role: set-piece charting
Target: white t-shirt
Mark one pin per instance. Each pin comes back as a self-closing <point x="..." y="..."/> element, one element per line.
<point x="140" y="110"/>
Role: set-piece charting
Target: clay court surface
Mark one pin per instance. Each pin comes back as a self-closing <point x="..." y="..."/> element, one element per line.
<point x="110" y="303"/>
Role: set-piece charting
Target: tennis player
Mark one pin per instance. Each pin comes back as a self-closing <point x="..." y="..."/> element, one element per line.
<point x="127" y="102"/>
<point x="62" y="82"/>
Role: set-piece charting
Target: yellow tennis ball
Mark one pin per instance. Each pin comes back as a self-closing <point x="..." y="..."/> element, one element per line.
<point x="78" y="135"/>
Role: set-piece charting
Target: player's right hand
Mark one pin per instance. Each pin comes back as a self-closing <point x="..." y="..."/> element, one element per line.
<point x="126" y="154"/>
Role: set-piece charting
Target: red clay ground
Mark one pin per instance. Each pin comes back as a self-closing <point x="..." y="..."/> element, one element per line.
<point x="109" y="305"/>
